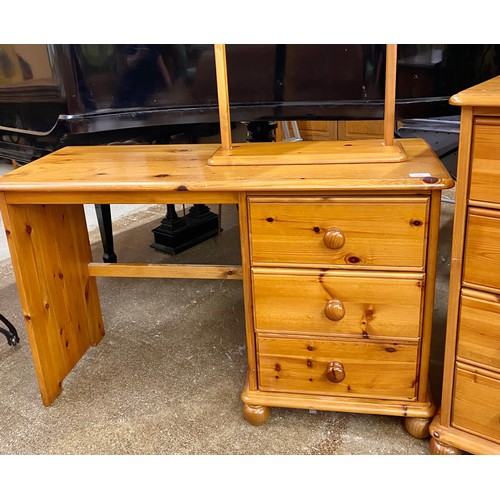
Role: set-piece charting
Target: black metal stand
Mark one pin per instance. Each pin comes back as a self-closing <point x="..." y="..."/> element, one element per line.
<point x="176" y="234"/>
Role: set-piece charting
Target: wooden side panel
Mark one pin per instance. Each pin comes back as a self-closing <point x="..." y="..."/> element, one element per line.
<point x="247" y="292"/>
<point x="372" y="305"/>
<point x="376" y="232"/>
<point x="430" y="278"/>
<point x="457" y="249"/>
<point x="476" y="406"/>
<point x="478" y="335"/>
<point x="384" y="370"/>
<point x="59" y="299"/>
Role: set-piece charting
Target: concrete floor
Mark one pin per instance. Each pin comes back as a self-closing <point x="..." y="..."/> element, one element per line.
<point x="167" y="377"/>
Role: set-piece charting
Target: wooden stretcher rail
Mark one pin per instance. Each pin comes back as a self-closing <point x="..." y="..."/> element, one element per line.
<point x="185" y="271"/>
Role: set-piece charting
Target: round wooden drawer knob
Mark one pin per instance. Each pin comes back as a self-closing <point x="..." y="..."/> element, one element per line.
<point x="334" y="238"/>
<point x="335" y="372"/>
<point x="334" y="310"/>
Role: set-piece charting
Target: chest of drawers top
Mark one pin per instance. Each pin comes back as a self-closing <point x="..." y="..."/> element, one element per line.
<point x="484" y="94"/>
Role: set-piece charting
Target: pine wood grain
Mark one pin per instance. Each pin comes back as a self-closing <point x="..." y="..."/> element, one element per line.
<point x="391" y="62"/>
<point x="484" y="94"/>
<point x="384" y="370"/>
<point x="476" y="404"/>
<point x="59" y="299"/>
<point x="485" y="166"/>
<point x="223" y="96"/>
<point x="469" y="418"/>
<point x="176" y="271"/>
<point x="77" y="174"/>
<point x="310" y="152"/>
<point x="376" y="304"/>
<point x="482" y="252"/>
<point x="377" y="231"/>
<point x="478" y="336"/>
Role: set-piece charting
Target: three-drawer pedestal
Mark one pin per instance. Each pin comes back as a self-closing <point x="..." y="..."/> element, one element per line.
<point x="342" y="290"/>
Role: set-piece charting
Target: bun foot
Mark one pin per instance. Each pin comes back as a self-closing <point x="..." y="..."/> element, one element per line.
<point x="418" y="427"/>
<point x="255" y="415"/>
<point x="438" y="448"/>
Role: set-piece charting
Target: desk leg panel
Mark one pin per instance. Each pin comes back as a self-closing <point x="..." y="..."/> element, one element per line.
<point x="50" y="252"/>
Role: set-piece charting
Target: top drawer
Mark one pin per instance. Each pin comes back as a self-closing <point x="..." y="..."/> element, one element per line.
<point x="340" y="231"/>
<point x="485" y="171"/>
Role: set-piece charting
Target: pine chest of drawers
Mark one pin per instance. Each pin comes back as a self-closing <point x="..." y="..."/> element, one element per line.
<point x="469" y="418"/>
<point x="342" y="290"/>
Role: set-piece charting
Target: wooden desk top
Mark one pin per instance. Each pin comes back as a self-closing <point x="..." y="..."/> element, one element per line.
<point x="483" y="94"/>
<point x="79" y="170"/>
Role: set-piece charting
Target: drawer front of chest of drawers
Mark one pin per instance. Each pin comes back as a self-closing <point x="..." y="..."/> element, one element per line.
<point x="355" y="303"/>
<point x="476" y="404"/>
<point x="482" y="250"/>
<point x="485" y="171"/>
<point x="478" y="329"/>
<point x="368" y="231"/>
<point x="337" y="368"/>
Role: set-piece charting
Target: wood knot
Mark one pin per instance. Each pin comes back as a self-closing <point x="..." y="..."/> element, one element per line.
<point x="270" y="219"/>
<point x="430" y="180"/>
<point x="28" y="229"/>
<point x="182" y="188"/>
<point x="353" y="259"/>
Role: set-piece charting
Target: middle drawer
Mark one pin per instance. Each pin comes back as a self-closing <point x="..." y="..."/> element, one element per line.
<point x="359" y="304"/>
<point x="339" y="231"/>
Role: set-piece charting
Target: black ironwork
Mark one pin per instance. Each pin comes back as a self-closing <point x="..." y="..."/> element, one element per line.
<point x="10" y="333"/>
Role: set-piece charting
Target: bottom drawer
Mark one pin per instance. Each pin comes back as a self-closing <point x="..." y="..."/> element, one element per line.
<point x="476" y="404"/>
<point x="356" y="369"/>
